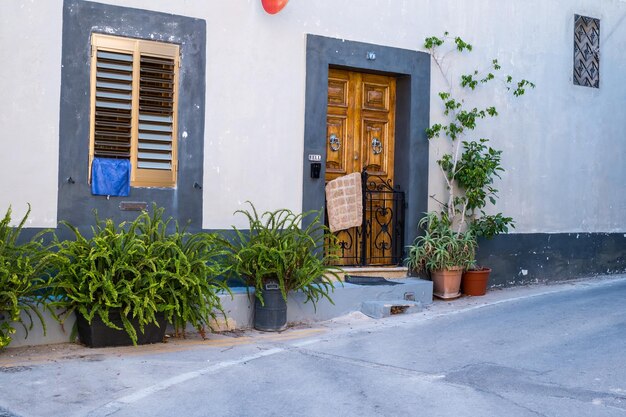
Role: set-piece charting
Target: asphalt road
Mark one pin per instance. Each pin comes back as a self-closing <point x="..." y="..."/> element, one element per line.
<point x="539" y="351"/>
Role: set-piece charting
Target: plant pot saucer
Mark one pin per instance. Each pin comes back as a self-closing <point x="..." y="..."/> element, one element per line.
<point x="448" y="296"/>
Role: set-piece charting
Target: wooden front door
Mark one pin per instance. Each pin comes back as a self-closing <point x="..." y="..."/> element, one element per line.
<point x="360" y="135"/>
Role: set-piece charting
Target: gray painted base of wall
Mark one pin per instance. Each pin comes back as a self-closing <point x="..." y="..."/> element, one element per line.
<point x="240" y="309"/>
<point x="518" y="259"/>
<point x="55" y="332"/>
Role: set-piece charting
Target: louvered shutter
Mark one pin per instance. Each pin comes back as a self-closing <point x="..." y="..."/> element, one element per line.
<point x="156" y="113"/>
<point x="113" y="110"/>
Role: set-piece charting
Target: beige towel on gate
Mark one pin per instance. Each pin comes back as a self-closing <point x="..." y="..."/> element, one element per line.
<point x="344" y="202"/>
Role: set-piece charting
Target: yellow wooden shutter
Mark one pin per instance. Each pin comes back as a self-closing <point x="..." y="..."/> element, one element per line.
<point x="134" y="107"/>
<point x="155" y="137"/>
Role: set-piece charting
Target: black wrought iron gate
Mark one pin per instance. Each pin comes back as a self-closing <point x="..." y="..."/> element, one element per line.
<point x="380" y="238"/>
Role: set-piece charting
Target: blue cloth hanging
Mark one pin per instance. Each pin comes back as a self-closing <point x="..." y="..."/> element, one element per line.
<point x="110" y="177"/>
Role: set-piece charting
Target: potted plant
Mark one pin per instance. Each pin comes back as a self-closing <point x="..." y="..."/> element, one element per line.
<point x="188" y="269"/>
<point x="127" y="281"/>
<point x="471" y="165"/>
<point x="474" y="175"/>
<point x="443" y="252"/>
<point x="276" y="256"/>
<point x="21" y="279"/>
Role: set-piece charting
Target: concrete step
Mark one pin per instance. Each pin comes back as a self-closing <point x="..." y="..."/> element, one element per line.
<point x="380" y="309"/>
<point x="348" y="298"/>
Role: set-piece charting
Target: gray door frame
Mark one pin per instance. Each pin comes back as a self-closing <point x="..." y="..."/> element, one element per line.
<point x="412" y="70"/>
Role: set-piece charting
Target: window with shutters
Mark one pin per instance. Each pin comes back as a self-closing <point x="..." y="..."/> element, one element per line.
<point x="134" y="85"/>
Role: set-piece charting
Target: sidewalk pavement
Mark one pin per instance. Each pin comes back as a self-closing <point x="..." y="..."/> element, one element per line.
<point x="356" y="321"/>
<point x="521" y="352"/>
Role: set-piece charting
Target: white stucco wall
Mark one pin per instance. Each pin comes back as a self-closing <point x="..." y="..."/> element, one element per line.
<point x="563" y="145"/>
<point x="30" y="84"/>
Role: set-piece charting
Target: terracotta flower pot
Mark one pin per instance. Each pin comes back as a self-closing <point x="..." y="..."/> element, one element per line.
<point x="447" y="282"/>
<point x="475" y="281"/>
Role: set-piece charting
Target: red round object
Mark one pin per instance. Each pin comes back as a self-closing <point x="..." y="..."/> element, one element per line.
<point x="273" y="6"/>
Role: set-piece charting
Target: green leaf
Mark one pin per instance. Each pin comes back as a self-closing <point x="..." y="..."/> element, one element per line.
<point x="23" y="273"/>
<point x="140" y="268"/>
<point x="277" y="248"/>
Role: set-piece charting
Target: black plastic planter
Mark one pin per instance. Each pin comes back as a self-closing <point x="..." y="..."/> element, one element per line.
<point x="272" y="316"/>
<point x="97" y="334"/>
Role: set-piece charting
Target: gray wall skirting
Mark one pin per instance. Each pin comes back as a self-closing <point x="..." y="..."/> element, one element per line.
<point x="519" y="259"/>
<point x="541" y="257"/>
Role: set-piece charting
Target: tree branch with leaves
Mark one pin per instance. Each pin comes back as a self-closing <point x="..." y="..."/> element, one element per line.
<point x="471" y="166"/>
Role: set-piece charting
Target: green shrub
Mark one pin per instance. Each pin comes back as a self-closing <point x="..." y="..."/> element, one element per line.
<point x="187" y="267"/>
<point x="277" y="248"/>
<point x="138" y="269"/>
<point x="21" y="276"/>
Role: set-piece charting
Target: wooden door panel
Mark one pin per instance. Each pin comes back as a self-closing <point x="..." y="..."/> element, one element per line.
<point x="338" y="88"/>
<point x="337" y="147"/>
<point x="375" y="147"/>
<point x="375" y="97"/>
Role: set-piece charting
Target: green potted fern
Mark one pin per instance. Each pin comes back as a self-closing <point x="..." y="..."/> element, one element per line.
<point x="22" y="271"/>
<point x="442" y="252"/>
<point x="127" y="281"/>
<point x="276" y="256"/>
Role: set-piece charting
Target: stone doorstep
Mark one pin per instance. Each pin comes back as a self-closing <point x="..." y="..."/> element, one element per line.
<point x="393" y="272"/>
<point x="380" y="309"/>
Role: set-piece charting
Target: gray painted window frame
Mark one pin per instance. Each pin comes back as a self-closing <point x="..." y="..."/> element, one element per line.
<point x="80" y="20"/>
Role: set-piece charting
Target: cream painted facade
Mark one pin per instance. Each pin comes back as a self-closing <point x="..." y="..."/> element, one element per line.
<point x="564" y="146"/>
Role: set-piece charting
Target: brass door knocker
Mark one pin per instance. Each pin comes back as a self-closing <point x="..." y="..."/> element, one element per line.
<point x="335" y="143"/>
<point x="377" y="146"/>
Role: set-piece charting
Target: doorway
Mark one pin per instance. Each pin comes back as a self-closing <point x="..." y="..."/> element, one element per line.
<point x="360" y="132"/>
<point x="411" y="71"/>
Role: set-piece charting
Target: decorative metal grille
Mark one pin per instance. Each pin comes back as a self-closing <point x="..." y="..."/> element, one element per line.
<point x="380" y="238"/>
<point x="586" y="51"/>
